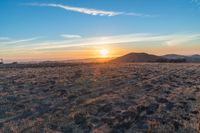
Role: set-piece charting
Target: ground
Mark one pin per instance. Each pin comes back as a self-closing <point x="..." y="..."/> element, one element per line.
<point x="100" y="98"/>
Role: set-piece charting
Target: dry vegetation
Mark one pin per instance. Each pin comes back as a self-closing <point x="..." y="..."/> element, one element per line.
<point x="100" y="98"/>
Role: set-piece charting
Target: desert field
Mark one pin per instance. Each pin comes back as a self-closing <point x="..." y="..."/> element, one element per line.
<point x="100" y="98"/>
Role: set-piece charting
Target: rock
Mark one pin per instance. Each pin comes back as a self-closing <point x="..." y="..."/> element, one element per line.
<point x="142" y="125"/>
<point x="109" y="120"/>
<point x="41" y="109"/>
<point x="131" y="97"/>
<point x="52" y="82"/>
<point x="87" y="129"/>
<point x="169" y="106"/>
<point x="161" y="100"/>
<point x="45" y="89"/>
<point x="141" y="109"/>
<point x="67" y="129"/>
<point x="167" y="92"/>
<point x="80" y="119"/>
<point x="72" y="97"/>
<point x="62" y="92"/>
<point x="185" y="117"/>
<point x="53" y="126"/>
<point x="95" y="122"/>
<point x="186" y="106"/>
<point x="191" y="99"/>
<point x="19" y="106"/>
<point x="195" y="112"/>
<point x="121" y="128"/>
<point x="152" y="108"/>
<point x="177" y="125"/>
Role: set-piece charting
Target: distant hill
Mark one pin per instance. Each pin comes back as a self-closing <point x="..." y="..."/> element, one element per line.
<point x="137" y="57"/>
<point x="192" y="58"/>
<point x="144" y="57"/>
<point x="173" y="56"/>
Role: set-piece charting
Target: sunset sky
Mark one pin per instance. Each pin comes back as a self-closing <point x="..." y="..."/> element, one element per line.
<point x="75" y="29"/>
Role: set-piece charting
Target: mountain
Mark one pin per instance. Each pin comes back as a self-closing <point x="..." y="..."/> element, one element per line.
<point x="137" y="57"/>
<point x="170" y="58"/>
<point x="192" y="58"/>
<point x="173" y="56"/>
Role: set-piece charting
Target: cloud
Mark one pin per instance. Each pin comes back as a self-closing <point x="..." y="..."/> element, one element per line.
<point x="20" y="41"/>
<point x="89" y="11"/>
<point x="181" y="39"/>
<point x="69" y="36"/>
<point x="169" y="40"/>
<point x="139" y="15"/>
<point x="101" y="40"/>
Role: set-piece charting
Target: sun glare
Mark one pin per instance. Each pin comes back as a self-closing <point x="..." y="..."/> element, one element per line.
<point x="104" y="52"/>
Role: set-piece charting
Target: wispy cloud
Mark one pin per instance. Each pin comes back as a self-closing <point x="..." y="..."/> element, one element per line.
<point x="19" y="41"/>
<point x="70" y="36"/>
<point x="181" y="39"/>
<point x="89" y="11"/>
<point x="169" y="40"/>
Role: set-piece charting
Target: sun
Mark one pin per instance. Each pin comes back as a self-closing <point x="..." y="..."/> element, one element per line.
<point x="104" y="52"/>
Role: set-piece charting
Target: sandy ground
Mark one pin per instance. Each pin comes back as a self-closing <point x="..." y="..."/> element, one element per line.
<point x="101" y="98"/>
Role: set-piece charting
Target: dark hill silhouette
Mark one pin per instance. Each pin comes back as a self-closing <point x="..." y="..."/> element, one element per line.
<point x="174" y="56"/>
<point x="138" y="57"/>
<point x="192" y="58"/>
<point x="144" y="57"/>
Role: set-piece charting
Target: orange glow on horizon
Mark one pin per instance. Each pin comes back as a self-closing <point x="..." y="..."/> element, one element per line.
<point x="99" y="51"/>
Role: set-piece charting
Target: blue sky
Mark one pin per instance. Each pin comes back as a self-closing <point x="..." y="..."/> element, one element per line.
<point x="43" y="26"/>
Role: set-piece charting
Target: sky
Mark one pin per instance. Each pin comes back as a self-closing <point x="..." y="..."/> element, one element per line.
<point x="33" y="30"/>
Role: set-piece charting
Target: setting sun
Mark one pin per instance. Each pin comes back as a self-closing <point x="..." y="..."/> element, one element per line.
<point x="104" y="52"/>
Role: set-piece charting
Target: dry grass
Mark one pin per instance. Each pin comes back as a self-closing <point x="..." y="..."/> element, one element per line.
<point x="100" y="98"/>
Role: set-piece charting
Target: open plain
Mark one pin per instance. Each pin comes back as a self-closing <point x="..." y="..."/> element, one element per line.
<point x="100" y="98"/>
